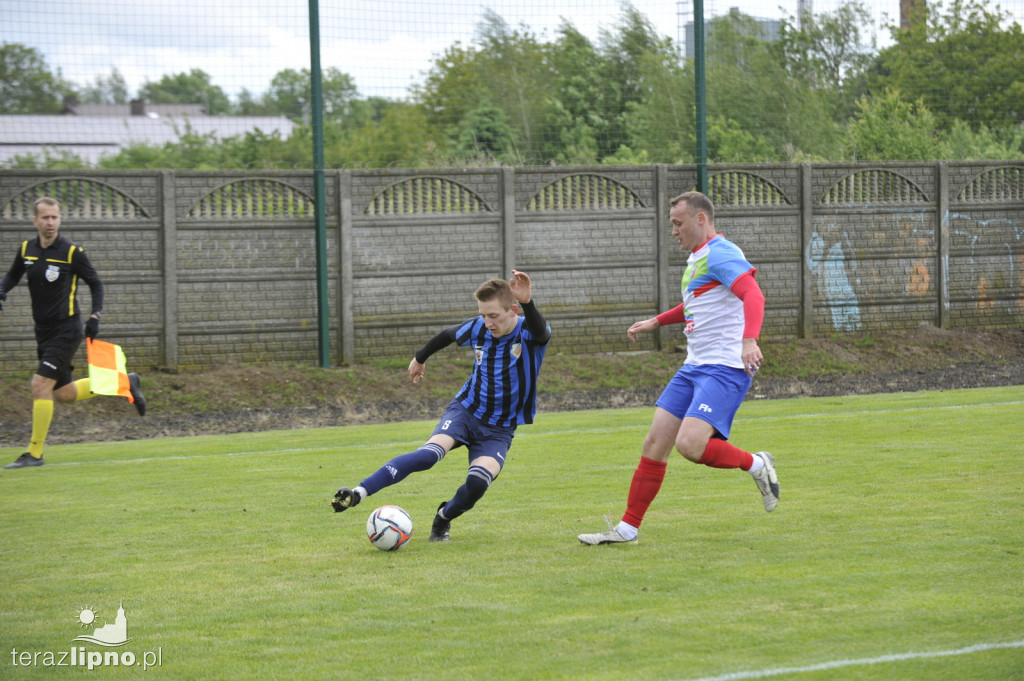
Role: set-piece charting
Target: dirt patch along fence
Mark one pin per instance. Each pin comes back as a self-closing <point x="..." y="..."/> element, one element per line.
<point x="203" y="268"/>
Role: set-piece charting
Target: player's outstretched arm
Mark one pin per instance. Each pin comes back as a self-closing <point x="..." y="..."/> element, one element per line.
<point x="438" y="342"/>
<point x="643" y="326"/>
<point x="522" y="287"/>
<point x="416" y="370"/>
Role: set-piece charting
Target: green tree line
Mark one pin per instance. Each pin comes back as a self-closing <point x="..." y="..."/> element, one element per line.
<point x="948" y="87"/>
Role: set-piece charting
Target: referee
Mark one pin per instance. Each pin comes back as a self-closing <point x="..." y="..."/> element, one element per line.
<point x="500" y="394"/>
<point x="53" y="266"/>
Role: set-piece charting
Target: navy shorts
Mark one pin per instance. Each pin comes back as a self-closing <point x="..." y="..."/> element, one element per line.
<point x="56" y="347"/>
<point x="710" y="392"/>
<point x="478" y="437"/>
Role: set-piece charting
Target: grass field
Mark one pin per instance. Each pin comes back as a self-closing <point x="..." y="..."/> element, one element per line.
<point x="897" y="552"/>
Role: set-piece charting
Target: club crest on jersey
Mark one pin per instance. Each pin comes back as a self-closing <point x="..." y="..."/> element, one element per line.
<point x="52" y="272"/>
<point x="478" y="351"/>
<point x="517" y="349"/>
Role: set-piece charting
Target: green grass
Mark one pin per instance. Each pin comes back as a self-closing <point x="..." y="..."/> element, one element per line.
<point x="898" y="531"/>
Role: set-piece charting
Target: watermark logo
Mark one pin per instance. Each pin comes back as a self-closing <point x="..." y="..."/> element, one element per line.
<point x="108" y="635"/>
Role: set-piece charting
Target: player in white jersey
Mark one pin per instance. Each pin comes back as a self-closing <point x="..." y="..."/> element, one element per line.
<point x="723" y="309"/>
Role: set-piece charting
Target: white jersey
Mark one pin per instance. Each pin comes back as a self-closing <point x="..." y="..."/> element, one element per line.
<point x="714" y="315"/>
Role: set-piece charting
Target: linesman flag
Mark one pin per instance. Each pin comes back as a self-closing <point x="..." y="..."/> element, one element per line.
<point x="107" y="372"/>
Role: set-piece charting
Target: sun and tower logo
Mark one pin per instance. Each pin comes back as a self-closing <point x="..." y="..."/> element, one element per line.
<point x="108" y="635"/>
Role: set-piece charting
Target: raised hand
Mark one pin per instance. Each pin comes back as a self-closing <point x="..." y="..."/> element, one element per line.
<point x="521" y="286"/>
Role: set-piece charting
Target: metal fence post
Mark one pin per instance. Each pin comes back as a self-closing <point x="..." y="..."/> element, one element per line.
<point x="169" y="264"/>
<point x="806" y="313"/>
<point x="942" y="244"/>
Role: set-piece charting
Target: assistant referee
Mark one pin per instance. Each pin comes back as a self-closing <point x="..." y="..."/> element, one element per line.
<point x="53" y="267"/>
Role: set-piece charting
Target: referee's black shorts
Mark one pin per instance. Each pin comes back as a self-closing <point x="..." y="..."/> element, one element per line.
<point x="56" y="347"/>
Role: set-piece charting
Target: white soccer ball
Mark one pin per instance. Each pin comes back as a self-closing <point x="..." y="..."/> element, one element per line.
<point x="389" y="528"/>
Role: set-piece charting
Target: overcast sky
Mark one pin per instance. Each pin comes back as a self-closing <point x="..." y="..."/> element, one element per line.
<point x="385" y="45"/>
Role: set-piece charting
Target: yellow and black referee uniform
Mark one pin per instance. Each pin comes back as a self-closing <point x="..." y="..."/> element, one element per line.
<point x="54" y="275"/>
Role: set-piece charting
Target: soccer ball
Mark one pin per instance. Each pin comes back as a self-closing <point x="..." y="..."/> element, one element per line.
<point x="389" y="528"/>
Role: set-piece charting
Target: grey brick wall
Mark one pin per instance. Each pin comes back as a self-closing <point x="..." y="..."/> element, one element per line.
<point x="203" y="268"/>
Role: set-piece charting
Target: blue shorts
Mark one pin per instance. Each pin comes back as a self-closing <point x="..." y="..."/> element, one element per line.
<point x="478" y="437"/>
<point x="710" y="392"/>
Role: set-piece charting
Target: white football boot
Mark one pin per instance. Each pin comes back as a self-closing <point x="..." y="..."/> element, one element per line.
<point x="767" y="481"/>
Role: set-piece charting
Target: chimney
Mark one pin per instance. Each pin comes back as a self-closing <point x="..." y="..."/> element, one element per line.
<point x="138" y="107"/>
<point x="911" y="11"/>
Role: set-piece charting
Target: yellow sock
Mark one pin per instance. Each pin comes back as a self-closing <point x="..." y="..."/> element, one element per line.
<point x="42" y="414"/>
<point x="84" y="386"/>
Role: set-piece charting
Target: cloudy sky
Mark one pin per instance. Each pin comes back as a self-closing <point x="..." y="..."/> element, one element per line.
<point x="385" y="45"/>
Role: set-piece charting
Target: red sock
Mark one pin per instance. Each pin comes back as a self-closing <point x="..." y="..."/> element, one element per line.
<point x="647" y="481"/>
<point x="721" y="454"/>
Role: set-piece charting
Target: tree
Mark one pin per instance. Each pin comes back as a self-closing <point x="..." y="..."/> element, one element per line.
<point x="628" y="53"/>
<point x="290" y="92"/>
<point x="827" y="48"/>
<point x="53" y="160"/>
<point x="249" y="105"/>
<point x="750" y="86"/>
<point x="452" y="87"/>
<point x="27" y="86"/>
<point x="193" y="87"/>
<point x="961" y="63"/>
<point x="662" y="125"/>
<point x="888" y="128"/>
<point x="579" y="114"/>
<point x="512" y="65"/>
<point x="111" y="89"/>
<point x="729" y="143"/>
<point x="960" y="142"/>
<point x="484" y="133"/>
<point x="503" y="68"/>
<point x="831" y="51"/>
<point x="404" y="137"/>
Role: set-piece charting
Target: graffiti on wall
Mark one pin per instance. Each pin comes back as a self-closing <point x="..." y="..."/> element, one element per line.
<point x="856" y="264"/>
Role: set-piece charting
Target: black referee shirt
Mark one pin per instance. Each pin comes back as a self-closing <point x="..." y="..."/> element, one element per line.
<point x="53" y="279"/>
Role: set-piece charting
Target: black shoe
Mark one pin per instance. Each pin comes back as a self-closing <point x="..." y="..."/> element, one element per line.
<point x="135" y="386"/>
<point x="24" y="461"/>
<point x="439" y="530"/>
<point x="345" y="498"/>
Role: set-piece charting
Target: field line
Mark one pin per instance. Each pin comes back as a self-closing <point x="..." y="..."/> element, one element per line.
<point x="529" y="433"/>
<point x="188" y="457"/>
<point x="540" y="432"/>
<point x="864" y="661"/>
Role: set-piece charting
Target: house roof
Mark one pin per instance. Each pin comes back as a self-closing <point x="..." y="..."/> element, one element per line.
<point x="92" y="137"/>
<point x="135" y="108"/>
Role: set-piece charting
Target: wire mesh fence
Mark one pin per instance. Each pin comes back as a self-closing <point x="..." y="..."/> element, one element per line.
<point x="225" y="83"/>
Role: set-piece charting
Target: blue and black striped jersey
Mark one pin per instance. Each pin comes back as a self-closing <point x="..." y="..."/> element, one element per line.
<point x="502" y="390"/>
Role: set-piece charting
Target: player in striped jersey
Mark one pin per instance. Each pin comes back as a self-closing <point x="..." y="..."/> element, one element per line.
<point x="723" y="308"/>
<point x="500" y="395"/>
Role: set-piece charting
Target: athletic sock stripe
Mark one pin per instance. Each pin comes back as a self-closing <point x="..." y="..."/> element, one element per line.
<point x="480" y="472"/>
<point x="436" y="448"/>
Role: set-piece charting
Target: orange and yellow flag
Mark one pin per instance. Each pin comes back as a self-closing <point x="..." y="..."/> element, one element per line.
<point x="108" y="374"/>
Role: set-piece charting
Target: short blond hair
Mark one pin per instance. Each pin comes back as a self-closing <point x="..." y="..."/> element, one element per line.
<point x="45" y="201"/>
<point x="496" y="288"/>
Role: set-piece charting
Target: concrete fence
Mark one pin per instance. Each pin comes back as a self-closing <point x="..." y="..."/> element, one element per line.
<point x="203" y="268"/>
